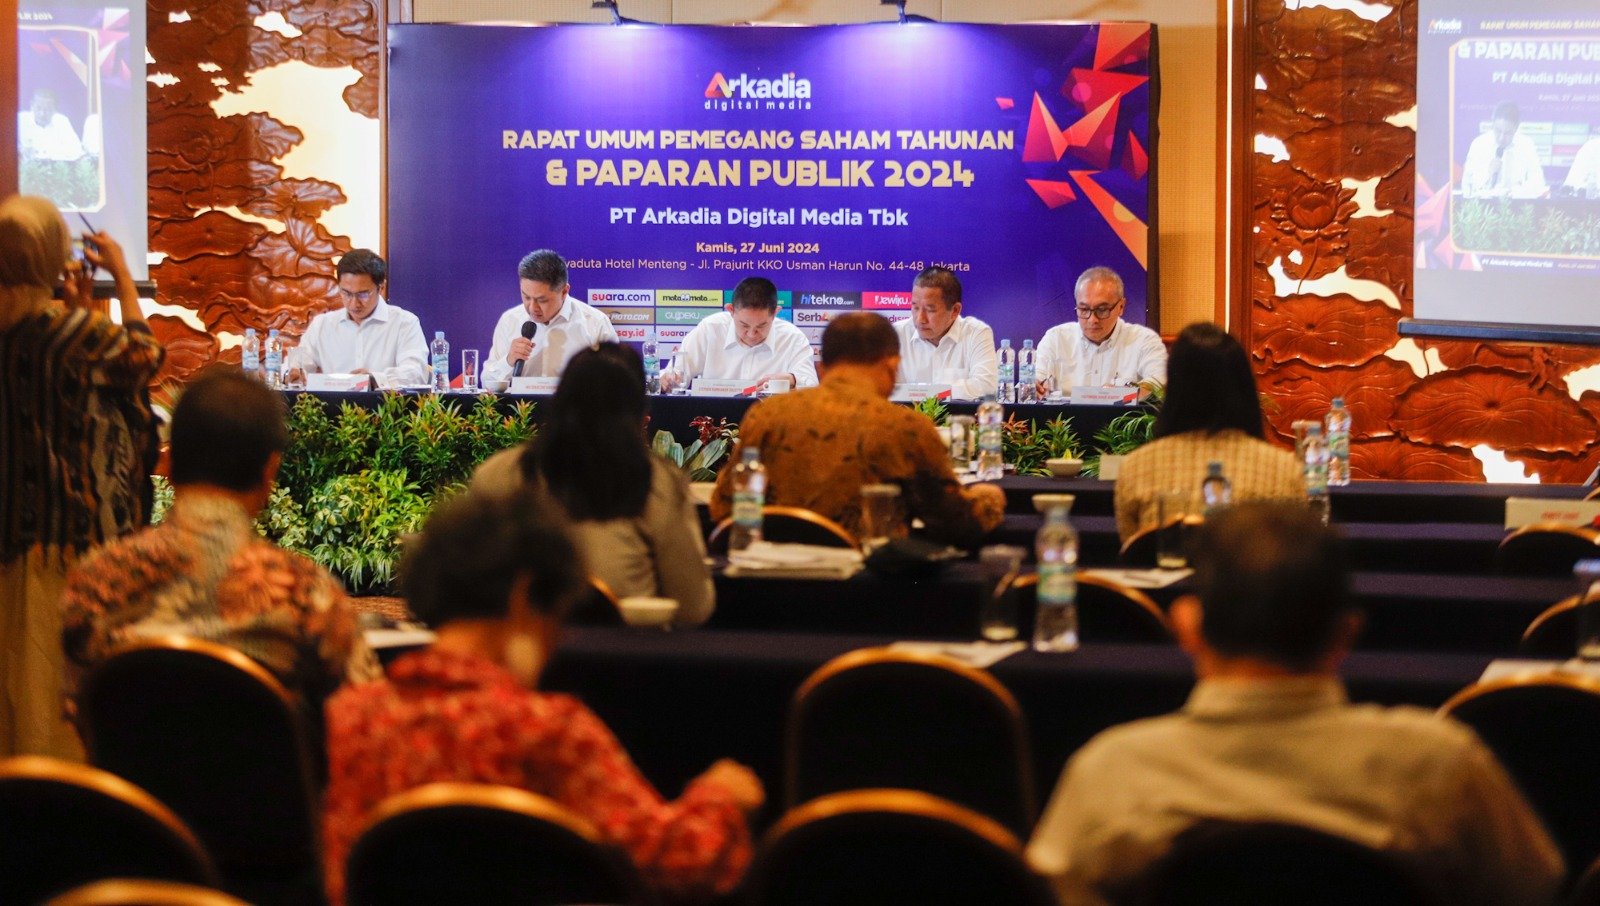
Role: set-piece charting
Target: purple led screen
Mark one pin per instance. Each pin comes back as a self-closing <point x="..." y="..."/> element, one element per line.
<point x="666" y="163"/>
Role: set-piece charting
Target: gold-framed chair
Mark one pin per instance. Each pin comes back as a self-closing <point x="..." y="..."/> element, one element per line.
<point x="599" y="606"/>
<point x="1545" y="730"/>
<point x="1140" y="550"/>
<point x="1108" y="611"/>
<point x="484" y="844"/>
<point x="137" y="892"/>
<point x="1553" y="634"/>
<point x="214" y="735"/>
<point x="878" y="717"/>
<point x="892" y="846"/>
<point x="1546" y="549"/>
<point x="788" y="524"/>
<point x="66" y="824"/>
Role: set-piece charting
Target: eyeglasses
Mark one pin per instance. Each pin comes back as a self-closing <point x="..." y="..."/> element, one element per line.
<point x="1100" y="312"/>
<point x="362" y="296"/>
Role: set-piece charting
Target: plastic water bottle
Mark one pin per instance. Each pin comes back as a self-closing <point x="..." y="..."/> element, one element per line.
<point x="1216" y="489"/>
<point x="1008" y="372"/>
<point x="1026" y="392"/>
<point x="1316" y="466"/>
<point x="991" y="434"/>
<point x="250" y="353"/>
<point x="1055" y="626"/>
<point x="274" y="364"/>
<point x="440" y="351"/>
<point x="749" y="494"/>
<point x="1338" y="443"/>
<point x="652" y="363"/>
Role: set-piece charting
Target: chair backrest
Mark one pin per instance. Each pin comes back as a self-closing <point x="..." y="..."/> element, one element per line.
<point x="1545" y="730"/>
<point x="597" y="607"/>
<point x="63" y="824"/>
<point x="1140" y="550"/>
<point x="133" y="892"/>
<point x="892" y="846"/>
<point x="1547" y="549"/>
<point x="214" y="735"/>
<point x="483" y="844"/>
<point x="1108" y="611"/>
<point x="788" y="524"/>
<point x="1266" y="864"/>
<point x="884" y="718"/>
<point x="1553" y="634"/>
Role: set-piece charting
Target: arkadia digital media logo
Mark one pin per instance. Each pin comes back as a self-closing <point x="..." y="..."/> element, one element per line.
<point x="746" y="92"/>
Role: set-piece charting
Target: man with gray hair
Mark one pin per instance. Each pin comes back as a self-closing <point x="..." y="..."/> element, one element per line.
<point x="1100" y="349"/>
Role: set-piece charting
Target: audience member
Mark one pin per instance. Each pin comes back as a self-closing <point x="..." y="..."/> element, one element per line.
<point x="1101" y="349"/>
<point x="367" y="335"/>
<point x="821" y="445"/>
<point x="468" y="707"/>
<point x="747" y="341"/>
<point x="938" y="345"/>
<point x="205" y="571"/>
<point x="562" y="324"/>
<point x="1268" y="735"/>
<point x="630" y="509"/>
<point x="74" y="423"/>
<point x="1211" y="414"/>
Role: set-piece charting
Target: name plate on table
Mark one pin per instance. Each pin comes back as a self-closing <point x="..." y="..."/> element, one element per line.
<point x="1521" y="511"/>
<point x="916" y="393"/>
<point x="1105" y="396"/>
<point x="534" y="384"/>
<point x="704" y="386"/>
<point x="338" y="382"/>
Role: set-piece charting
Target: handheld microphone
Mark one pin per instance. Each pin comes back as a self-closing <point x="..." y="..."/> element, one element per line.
<point x="529" y="328"/>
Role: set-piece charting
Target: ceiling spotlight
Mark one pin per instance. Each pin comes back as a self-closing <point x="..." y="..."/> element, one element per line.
<point x="900" y="6"/>
<point x="616" y="15"/>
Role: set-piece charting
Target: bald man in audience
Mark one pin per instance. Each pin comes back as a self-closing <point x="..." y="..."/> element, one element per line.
<point x="822" y="444"/>
<point x="1268" y="735"/>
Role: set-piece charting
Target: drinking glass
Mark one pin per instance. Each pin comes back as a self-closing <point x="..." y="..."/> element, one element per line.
<point x="1171" y="509"/>
<point x="998" y="617"/>
<point x="963" y="430"/>
<point x="880" y="515"/>
<point x="469" y="370"/>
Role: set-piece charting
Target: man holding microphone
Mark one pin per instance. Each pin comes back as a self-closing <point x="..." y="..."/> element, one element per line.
<point x="548" y="328"/>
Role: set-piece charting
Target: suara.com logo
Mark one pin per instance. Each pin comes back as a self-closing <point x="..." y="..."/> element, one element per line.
<point x="746" y="87"/>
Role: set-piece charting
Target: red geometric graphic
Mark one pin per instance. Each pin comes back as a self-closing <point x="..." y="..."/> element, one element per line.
<point x="1121" y="43"/>
<point x="1005" y="103"/>
<point x="1053" y="194"/>
<point x="1135" y="160"/>
<point x="1045" y="143"/>
<point x="1093" y="135"/>
<point x="718" y="88"/>
<point x="1089" y="89"/>
<point x="1133" y="232"/>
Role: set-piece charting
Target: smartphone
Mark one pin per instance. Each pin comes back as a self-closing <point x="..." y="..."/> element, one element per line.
<point x="80" y="243"/>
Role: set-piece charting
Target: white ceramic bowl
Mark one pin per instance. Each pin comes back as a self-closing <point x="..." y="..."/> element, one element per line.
<point x="499" y="385"/>
<point x="646" y="612"/>
<point x="1064" y="468"/>
<point x="1044" y="502"/>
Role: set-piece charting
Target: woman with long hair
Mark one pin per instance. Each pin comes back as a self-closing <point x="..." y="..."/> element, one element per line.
<point x="74" y="423"/>
<point x="1211" y="414"/>
<point x="630" y="509"/>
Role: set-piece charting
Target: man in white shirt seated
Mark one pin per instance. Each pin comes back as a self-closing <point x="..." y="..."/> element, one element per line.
<point x="367" y="335"/>
<point x="1503" y="162"/>
<point x="939" y="346"/>
<point x="1101" y="349"/>
<point x="1584" y="175"/>
<point x="44" y="133"/>
<point x="745" y="342"/>
<point x="561" y="325"/>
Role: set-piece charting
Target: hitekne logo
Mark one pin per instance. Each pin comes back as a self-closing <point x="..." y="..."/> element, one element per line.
<point x="743" y="86"/>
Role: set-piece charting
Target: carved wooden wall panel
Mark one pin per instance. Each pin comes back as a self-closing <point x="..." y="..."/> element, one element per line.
<point x="1328" y="84"/>
<point x="232" y="271"/>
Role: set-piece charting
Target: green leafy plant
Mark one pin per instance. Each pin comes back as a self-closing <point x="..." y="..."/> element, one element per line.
<point x="935" y="409"/>
<point x="1125" y="433"/>
<point x="700" y="460"/>
<point x="357" y="522"/>
<point x="1026" y="447"/>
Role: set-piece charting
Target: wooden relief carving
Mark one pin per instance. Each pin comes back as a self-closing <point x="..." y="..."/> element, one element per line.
<point x="235" y="272"/>
<point x="1332" y="81"/>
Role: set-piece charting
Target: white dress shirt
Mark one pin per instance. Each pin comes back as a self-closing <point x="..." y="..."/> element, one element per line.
<point x="1585" y="172"/>
<point x="388" y="345"/>
<point x="55" y="140"/>
<point x="576" y="326"/>
<point x="967" y="348"/>
<point x="1521" y="175"/>
<point x="713" y="350"/>
<point x="1132" y="354"/>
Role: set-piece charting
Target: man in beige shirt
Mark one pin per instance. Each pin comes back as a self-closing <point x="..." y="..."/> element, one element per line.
<point x="1268" y="735"/>
<point x="820" y="445"/>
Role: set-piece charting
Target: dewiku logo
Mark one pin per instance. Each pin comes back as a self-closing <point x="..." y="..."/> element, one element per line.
<point x="743" y="86"/>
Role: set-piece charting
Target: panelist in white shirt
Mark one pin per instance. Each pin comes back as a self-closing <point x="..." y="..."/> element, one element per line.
<point x="745" y="342"/>
<point x="562" y="324"/>
<point x="1584" y="175"/>
<point x="44" y="133"/>
<point x="365" y="336"/>
<point x="1503" y="162"/>
<point x="938" y="345"/>
<point x="1101" y="349"/>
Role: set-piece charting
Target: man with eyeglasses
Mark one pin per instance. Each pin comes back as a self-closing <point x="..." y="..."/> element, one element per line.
<point x="1101" y="349"/>
<point x="366" y="335"/>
